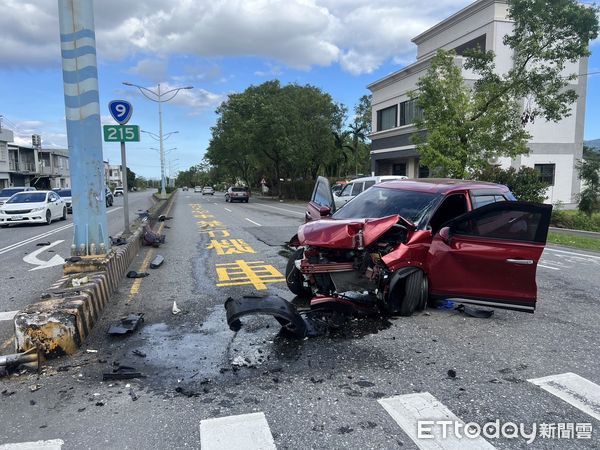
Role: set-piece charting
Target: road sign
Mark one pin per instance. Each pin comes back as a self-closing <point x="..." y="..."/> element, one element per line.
<point x="120" y="110"/>
<point x="121" y="133"/>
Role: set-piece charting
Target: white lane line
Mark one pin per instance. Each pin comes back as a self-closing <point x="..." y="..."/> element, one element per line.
<point x="548" y="267"/>
<point x="247" y="431"/>
<point x="255" y="223"/>
<point x="573" y="389"/>
<point x="8" y="315"/>
<point x="573" y="253"/>
<point x="54" y="444"/>
<point x="407" y="409"/>
<point x="43" y="235"/>
<point x="227" y="209"/>
<point x="282" y="209"/>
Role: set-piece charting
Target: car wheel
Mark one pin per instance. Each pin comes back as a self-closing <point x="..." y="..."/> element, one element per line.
<point x="64" y="215"/>
<point x="413" y="286"/>
<point x="293" y="277"/>
<point x="48" y="217"/>
<point x="424" y="298"/>
<point x="4" y="225"/>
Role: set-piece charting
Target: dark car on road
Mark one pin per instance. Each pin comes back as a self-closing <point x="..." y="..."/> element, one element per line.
<point x="237" y="194"/>
<point x="405" y="242"/>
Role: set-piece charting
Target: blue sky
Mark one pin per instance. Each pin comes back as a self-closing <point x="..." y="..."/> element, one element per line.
<point x="219" y="47"/>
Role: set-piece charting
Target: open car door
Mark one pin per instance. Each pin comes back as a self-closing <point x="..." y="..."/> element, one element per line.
<point x="321" y="203"/>
<point x="489" y="256"/>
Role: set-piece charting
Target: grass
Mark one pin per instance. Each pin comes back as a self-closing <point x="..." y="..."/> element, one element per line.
<point x="585" y="243"/>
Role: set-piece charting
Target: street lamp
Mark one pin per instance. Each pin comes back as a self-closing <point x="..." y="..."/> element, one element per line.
<point x="159" y="97"/>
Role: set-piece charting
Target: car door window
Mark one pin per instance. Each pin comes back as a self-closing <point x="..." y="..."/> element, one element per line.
<point x="321" y="197"/>
<point x="368" y="184"/>
<point x="514" y="221"/>
<point x="452" y="207"/>
<point x="357" y="188"/>
<point x="481" y="200"/>
<point x="347" y="191"/>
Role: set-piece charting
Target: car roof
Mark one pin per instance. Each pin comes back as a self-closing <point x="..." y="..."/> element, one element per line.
<point x="441" y="185"/>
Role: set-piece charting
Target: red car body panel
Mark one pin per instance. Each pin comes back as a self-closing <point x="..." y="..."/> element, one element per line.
<point x="345" y="233"/>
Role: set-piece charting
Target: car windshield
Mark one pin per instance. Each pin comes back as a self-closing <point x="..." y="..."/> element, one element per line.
<point x="28" y="197"/>
<point x="381" y="202"/>
<point x="9" y="192"/>
<point x="64" y="192"/>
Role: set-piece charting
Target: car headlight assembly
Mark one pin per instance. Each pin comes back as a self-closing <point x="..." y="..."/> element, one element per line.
<point x="39" y="208"/>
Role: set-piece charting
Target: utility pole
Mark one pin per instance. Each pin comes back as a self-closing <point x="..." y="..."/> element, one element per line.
<point x="84" y="133"/>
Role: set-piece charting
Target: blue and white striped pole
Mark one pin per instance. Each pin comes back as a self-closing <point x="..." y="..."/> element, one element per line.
<point x="82" y="107"/>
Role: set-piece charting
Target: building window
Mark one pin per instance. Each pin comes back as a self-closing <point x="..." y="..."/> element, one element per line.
<point x="387" y="118"/>
<point x="399" y="169"/>
<point x="546" y="173"/>
<point x="409" y="111"/>
<point x="477" y="43"/>
<point x="423" y="172"/>
<point x="3" y="151"/>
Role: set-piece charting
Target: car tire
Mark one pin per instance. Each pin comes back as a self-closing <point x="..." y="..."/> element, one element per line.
<point x="48" y="217"/>
<point x="64" y="214"/>
<point x="5" y="225"/>
<point x="413" y="286"/>
<point x="424" y="298"/>
<point x="293" y="277"/>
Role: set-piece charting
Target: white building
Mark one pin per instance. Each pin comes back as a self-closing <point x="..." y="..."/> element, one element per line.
<point x="113" y="174"/>
<point x="6" y="136"/>
<point x="554" y="147"/>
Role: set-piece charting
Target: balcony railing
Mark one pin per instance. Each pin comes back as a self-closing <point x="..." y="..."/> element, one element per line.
<point x="16" y="166"/>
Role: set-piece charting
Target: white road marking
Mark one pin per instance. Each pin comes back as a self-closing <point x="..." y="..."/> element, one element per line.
<point x="573" y="253"/>
<point x="407" y="409"/>
<point x="33" y="259"/>
<point x="247" y="431"/>
<point x="548" y="267"/>
<point x="255" y="223"/>
<point x="573" y="389"/>
<point x="8" y="315"/>
<point x="54" y="444"/>
<point x="43" y="235"/>
<point x="282" y="209"/>
<point x="227" y="209"/>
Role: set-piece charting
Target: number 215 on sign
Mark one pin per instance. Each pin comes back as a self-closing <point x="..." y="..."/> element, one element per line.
<point x="121" y="133"/>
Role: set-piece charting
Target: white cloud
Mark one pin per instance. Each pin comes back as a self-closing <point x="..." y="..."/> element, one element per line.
<point x="360" y="35"/>
<point x="154" y="69"/>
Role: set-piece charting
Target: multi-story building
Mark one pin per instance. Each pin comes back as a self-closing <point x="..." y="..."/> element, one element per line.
<point x="554" y="148"/>
<point x="113" y="174"/>
<point x="6" y="136"/>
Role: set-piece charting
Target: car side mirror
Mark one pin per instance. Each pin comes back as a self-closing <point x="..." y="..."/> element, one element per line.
<point x="336" y="193"/>
<point x="324" y="211"/>
<point x="445" y="234"/>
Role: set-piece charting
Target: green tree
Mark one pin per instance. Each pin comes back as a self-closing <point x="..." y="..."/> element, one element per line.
<point x="130" y="178"/>
<point x="589" y="198"/>
<point x="469" y="124"/>
<point x="525" y="183"/>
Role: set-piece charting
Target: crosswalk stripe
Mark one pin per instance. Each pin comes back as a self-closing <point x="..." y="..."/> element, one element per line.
<point x="54" y="444"/>
<point x="246" y="431"/>
<point x="407" y="409"/>
<point x="573" y="389"/>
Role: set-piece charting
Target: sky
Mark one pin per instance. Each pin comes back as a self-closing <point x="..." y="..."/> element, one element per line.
<point x="219" y="47"/>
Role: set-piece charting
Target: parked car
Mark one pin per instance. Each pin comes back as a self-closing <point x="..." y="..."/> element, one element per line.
<point x="110" y="197"/>
<point x="65" y="194"/>
<point x="355" y="187"/>
<point x="7" y="193"/>
<point x="118" y="191"/>
<point x="237" y="194"/>
<point x="208" y="190"/>
<point x="198" y="189"/>
<point x="33" y="207"/>
<point x="404" y="242"/>
<point x="185" y="188"/>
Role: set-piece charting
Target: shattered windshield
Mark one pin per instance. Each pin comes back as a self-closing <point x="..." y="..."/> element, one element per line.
<point x="382" y="202"/>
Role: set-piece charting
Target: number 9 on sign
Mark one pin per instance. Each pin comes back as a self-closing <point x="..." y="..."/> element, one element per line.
<point x="120" y="110"/>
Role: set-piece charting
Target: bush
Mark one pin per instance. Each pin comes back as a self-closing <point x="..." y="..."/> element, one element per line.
<point x="525" y="183"/>
<point x="575" y="220"/>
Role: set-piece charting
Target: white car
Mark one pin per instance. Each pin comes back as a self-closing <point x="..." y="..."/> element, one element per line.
<point x="33" y="207"/>
<point x="355" y="187"/>
<point x="208" y="190"/>
<point x="197" y="189"/>
<point x="118" y="191"/>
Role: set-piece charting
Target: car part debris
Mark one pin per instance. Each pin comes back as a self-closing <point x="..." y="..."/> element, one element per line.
<point x="73" y="259"/>
<point x="139" y="353"/>
<point x="285" y="313"/>
<point x="42" y="244"/>
<point x="32" y="359"/>
<point x="89" y="350"/>
<point x="118" y="241"/>
<point x="162" y="218"/>
<point x="175" y="310"/>
<point x="76" y="282"/>
<point x="122" y="373"/>
<point x="157" y="262"/>
<point x="134" y="274"/>
<point x="126" y="324"/>
<point x="152" y="238"/>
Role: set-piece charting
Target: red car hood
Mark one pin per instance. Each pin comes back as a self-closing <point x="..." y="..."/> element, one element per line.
<point x="330" y="233"/>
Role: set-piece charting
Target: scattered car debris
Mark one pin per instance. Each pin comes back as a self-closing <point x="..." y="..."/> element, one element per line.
<point x="240" y="361"/>
<point x="175" y="310"/>
<point x="42" y="244"/>
<point x="133" y="395"/>
<point x="134" y="274"/>
<point x="122" y="373"/>
<point x="139" y="353"/>
<point x="118" y="241"/>
<point x="76" y="282"/>
<point x="162" y="218"/>
<point x="451" y="373"/>
<point x="90" y="350"/>
<point x="73" y="259"/>
<point x="35" y="387"/>
<point x="126" y="324"/>
<point x="152" y="238"/>
<point x="157" y="262"/>
<point x="31" y="359"/>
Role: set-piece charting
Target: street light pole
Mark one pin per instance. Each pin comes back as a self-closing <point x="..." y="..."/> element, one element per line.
<point x="158" y="97"/>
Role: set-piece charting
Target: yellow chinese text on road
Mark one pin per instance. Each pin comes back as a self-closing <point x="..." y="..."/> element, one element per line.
<point x="255" y="273"/>
<point x="230" y="246"/>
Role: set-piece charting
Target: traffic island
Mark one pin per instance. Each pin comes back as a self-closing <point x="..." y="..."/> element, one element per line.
<point x="60" y="322"/>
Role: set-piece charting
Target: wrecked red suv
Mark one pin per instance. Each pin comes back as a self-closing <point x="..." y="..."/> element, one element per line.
<point x="401" y="243"/>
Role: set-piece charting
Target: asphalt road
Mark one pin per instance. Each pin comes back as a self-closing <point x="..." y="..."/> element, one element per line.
<point x="26" y="269"/>
<point x="362" y="386"/>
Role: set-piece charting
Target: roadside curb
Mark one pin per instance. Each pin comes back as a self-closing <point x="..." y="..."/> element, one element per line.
<point x="59" y="323"/>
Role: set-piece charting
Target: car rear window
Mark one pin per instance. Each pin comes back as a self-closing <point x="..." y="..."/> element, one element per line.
<point x="239" y="189"/>
<point x="28" y="197"/>
<point x="64" y="193"/>
<point x="382" y="202"/>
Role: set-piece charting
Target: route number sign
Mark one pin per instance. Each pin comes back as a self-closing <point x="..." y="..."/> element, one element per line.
<point x="120" y="110"/>
<point x="121" y="133"/>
